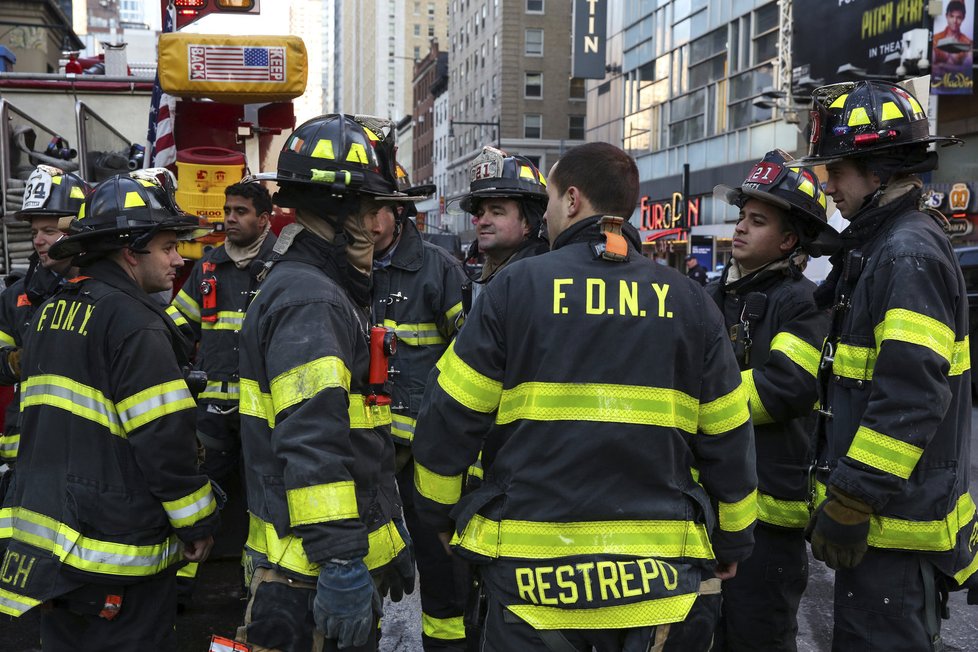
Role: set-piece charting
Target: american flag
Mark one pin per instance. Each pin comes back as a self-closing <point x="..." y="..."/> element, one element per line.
<point x="163" y="148"/>
<point x="236" y="63"/>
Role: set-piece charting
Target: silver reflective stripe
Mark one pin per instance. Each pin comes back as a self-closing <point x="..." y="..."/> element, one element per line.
<point x="413" y="334"/>
<point x="32" y="390"/>
<point x="9" y="445"/>
<point x="154" y="402"/>
<point x="186" y="307"/>
<point x="191" y="509"/>
<point x="14" y="605"/>
<point x="402" y="426"/>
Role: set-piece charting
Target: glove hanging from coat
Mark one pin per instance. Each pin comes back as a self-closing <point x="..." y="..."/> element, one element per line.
<point x="397" y="577"/>
<point x="839" y="529"/>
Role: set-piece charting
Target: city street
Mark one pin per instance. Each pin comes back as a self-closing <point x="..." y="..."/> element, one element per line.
<point x="218" y="608"/>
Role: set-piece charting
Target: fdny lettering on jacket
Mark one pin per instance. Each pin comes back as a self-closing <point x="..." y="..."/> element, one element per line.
<point x="65" y="315"/>
<point x="16" y="569"/>
<point x="599" y="299"/>
<point x="592" y="581"/>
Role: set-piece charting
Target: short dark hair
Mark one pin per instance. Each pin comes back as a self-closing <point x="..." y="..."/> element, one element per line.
<point x="605" y="175"/>
<point x="256" y="192"/>
<point x="955" y="5"/>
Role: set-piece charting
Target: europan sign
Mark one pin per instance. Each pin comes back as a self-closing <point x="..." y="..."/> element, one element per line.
<point x="590" y="32"/>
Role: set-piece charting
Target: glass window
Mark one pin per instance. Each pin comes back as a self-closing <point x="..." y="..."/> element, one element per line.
<point x="417" y="30"/>
<point x="708" y="71"/>
<point x="577" y="89"/>
<point x="533" y="85"/>
<point x="575" y="127"/>
<point x="431" y="30"/>
<point x="534" y="42"/>
<point x="766" y="18"/>
<point x="743" y="114"/>
<point x="708" y="46"/>
<point x="766" y="47"/>
<point x="532" y="125"/>
<point x="534" y="6"/>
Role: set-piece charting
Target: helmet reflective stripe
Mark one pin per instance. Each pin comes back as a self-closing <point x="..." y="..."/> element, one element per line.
<point x="133" y="200"/>
<point x="323" y="149"/>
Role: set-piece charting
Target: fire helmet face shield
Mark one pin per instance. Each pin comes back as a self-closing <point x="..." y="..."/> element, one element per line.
<point x="52" y="192"/>
<point x="781" y="181"/>
<point x="865" y="118"/>
<point x="494" y="173"/>
<point x="125" y="211"/>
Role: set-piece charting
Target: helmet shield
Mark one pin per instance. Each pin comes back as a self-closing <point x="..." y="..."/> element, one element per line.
<point x="52" y="192"/>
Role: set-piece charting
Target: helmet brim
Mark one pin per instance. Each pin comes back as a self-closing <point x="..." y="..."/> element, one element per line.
<point x="469" y="202"/>
<point x="940" y="141"/>
<point x="309" y="183"/>
<point x="28" y="215"/>
<point x="102" y="240"/>
<point x="739" y="196"/>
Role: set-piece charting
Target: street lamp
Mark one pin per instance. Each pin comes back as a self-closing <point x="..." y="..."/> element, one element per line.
<point x="494" y="123"/>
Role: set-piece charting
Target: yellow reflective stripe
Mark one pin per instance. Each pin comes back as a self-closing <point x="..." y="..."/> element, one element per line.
<point x="443" y="489"/>
<point x="475" y="470"/>
<point x="466" y="385"/>
<point x="64" y="393"/>
<point x="928" y="536"/>
<point x="758" y="413"/>
<point x="547" y="540"/>
<point x="725" y="413"/>
<point x="189" y="571"/>
<point x="783" y="513"/>
<point x="737" y="516"/>
<point x="227" y="390"/>
<point x="965" y="573"/>
<point x="639" y="614"/>
<point x="961" y="357"/>
<point x="176" y="316"/>
<point x="445" y="629"/>
<point x="798" y="351"/>
<point x="155" y="402"/>
<point x="192" y="508"/>
<point x="322" y="502"/>
<point x="367" y="416"/>
<point x="93" y="555"/>
<point x="884" y="453"/>
<point x="255" y="403"/>
<point x="185" y="304"/>
<point x="305" y="381"/>
<point x="608" y="403"/>
<point x="227" y="320"/>
<point x="7" y="339"/>
<point x="383" y="544"/>
<point x="422" y="334"/>
<point x="402" y="426"/>
<point x="854" y="362"/>
<point x="453" y="312"/>
<point x="286" y="552"/>
<point x="914" y="328"/>
<point x="13" y="604"/>
<point x="9" y="445"/>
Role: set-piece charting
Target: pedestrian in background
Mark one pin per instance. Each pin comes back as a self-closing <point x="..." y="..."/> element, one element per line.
<point x="694" y="270"/>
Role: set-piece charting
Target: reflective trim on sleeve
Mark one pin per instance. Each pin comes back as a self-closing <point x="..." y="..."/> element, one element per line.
<point x="306" y="380"/>
<point x="7" y="339"/>
<point x="638" y="614"/>
<point x="422" y="334"/>
<point x="227" y="320"/>
<point x="466" y="385"/>
<point x="321" y="503"/>
<point x="442" y="489"/>
<point x="176" y="316"/>
<point x="884" y="453"/>
<point x="188" y="510"/>
<point x="9" y="446"/>
<point x="914" y="328"/>
<point x="783" y="513"/>
<point x="547" y="540"/>
<point x="367" y="416"/>
<point x="798" y="351"/>
<point x="402" y="426"/>
<point x="452" y="314"/>
<point x="961" y="357"/>
<point x="185" y="304"/>
<point x="607" y="403"/>
<point x="443" y="629"/>
<point x="256" y="403"/>
<point x="725" y="413"/>
<point x="758" y="413"/>
<point x="737" y="516"/>
<point x="217" y="390"/>
<point x="155" y="402"/>
<point x="13" y="604"/>
<point x="64" y="393"/>
<point x="383" y="544"/>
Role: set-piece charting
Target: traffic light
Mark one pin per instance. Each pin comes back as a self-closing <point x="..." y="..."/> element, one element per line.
<point x="190" y="10"/>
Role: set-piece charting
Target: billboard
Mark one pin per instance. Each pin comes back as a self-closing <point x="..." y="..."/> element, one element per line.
<point x="867" y="37"/>
<point x="952" y="48"/>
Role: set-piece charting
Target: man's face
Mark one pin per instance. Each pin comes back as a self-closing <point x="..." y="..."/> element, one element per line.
<point x="691" y="263"/>
<point x="954" y="20"/>
<point x="154" y="271"/>
<point x="44" y="233"/>
<point x="556" y="215"/>
<point x="242" y="224"/>
<point x="759" y="236"/>
<point x="848" y="186"/>
<point x="384" y="221"/>
<point x="500" y="228"/>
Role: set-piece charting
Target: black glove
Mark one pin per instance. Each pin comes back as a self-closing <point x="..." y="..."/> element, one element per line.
<point x="839" y="529"/>
<point x="397" y="577"/>
<point x="345" y="602"/>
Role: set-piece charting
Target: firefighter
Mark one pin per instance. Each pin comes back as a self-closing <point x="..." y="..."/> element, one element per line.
<point x="776" y="332"/>
<point x="107" y="502"/>
<point x="619" y="462"/>
<point x="318" y="456"/>
<point x="50" y="194"/>
<point x="507" y="198"/>
<point x="417" y="292"/>
<point x="210" y="308"/>
<point x="894" y="514"/>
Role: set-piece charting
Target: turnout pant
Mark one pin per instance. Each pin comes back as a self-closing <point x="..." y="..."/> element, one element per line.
<point x="145" y="620"/>
<point x="441" y="577"/>
<point x="760" y="604"/>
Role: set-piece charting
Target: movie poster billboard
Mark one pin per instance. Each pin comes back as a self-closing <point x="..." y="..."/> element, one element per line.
<point x="952" y="49"/>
